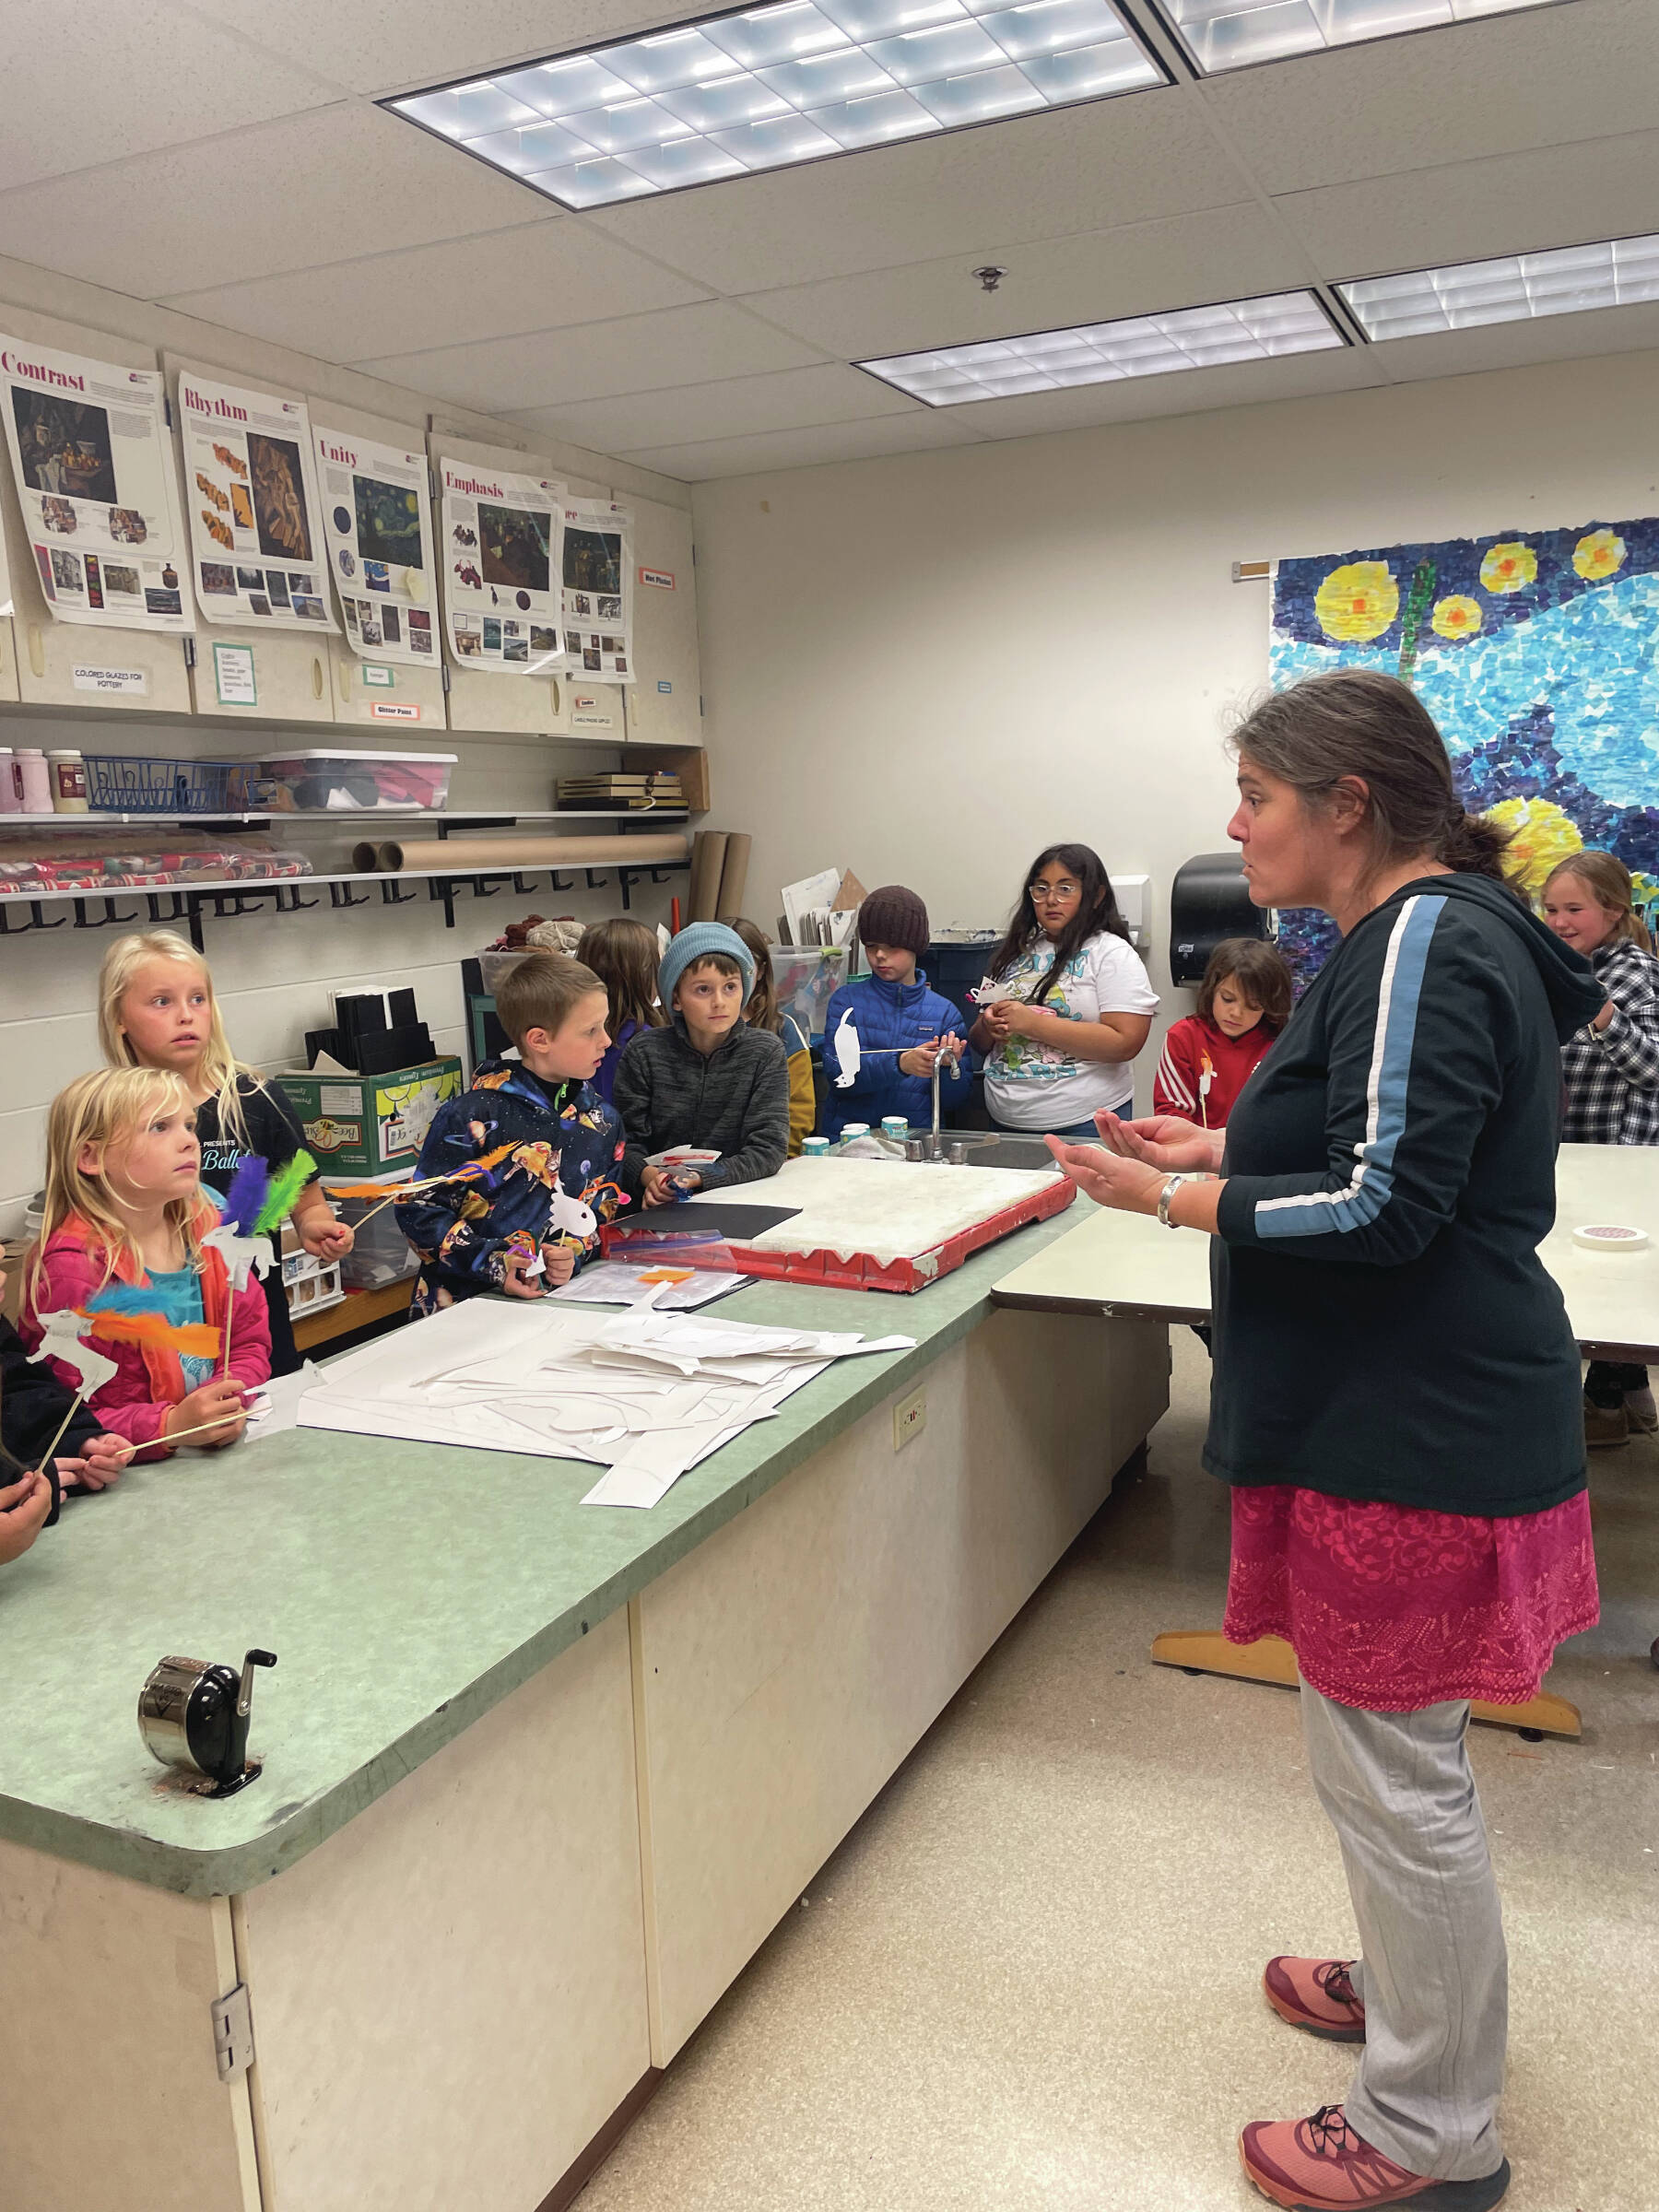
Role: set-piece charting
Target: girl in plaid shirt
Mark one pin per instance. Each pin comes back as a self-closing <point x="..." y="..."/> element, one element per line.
<point x="1611" y="1071"/>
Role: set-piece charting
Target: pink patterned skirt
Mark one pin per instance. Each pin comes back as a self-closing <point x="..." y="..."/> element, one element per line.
<point x="1390" y="1608"/>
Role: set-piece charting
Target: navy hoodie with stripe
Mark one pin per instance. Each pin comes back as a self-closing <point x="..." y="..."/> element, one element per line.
<point x="1384" y="1327"/>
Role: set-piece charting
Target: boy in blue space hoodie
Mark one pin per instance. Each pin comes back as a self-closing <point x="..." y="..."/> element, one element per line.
<point x="897" y="1017"/>
<point x="553" y="1132"/>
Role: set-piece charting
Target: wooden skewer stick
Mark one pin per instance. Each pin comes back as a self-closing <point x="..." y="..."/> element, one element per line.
<point x="62" y="1425"/>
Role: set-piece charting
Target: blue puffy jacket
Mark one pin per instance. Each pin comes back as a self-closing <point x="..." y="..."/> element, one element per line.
<point x="888" y="1015"/>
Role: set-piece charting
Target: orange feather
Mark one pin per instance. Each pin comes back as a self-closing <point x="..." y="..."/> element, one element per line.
<point x="192" y="1339"/>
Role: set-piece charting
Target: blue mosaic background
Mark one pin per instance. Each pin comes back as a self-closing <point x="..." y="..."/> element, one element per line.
<point x="1553" y="698"/>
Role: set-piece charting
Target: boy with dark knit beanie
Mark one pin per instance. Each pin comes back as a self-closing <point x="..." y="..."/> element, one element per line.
<point x="709" y="1078"/>
<point x="903" y="1026"/>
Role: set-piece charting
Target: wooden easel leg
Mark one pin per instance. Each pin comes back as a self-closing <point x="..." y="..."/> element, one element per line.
<point x="1270" y="1659"/>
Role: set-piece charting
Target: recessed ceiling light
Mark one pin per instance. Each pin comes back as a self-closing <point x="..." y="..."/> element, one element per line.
<point x="1102" y="353"/>
<point x="766" y="88"/>
<point x="1569" y="280"/>
<point x="1231" y="34"/>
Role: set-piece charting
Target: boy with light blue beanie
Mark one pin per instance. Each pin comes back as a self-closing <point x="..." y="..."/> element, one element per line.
<point x="709" y="1078"/>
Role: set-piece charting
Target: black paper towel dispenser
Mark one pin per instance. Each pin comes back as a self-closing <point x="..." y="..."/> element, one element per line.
<point x="1209" y="900"/>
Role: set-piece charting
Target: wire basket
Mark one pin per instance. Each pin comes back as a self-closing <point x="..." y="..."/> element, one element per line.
<point x="137" y="783"/>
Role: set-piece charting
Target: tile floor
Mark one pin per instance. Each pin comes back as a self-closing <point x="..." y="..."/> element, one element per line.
<point x="1029" y="1976"/>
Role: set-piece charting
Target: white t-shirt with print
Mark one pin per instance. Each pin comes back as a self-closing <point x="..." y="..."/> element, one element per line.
<point x="1032" y="1084"/>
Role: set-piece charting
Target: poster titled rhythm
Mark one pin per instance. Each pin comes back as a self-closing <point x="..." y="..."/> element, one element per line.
<point x="1538" y="653"/>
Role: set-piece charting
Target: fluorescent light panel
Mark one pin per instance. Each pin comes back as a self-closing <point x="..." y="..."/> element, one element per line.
<point x="1231" y="34"/>
<point x="770" y="87"/>
<point x="1569" y="280"/>
<point x="1102" y="353"/>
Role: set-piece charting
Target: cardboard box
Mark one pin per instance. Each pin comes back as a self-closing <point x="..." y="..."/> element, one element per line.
<point x="371" y="1123"/>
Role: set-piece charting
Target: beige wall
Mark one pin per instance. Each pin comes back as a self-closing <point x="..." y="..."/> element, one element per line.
<point x="924" y="668"/>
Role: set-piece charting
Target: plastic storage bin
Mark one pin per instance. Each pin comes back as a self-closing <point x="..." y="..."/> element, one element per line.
<point x="134" y="783"/>
<point x="493" y="966"/>
<point x="382" y="1253"/>
<point x="808" y="976"/>
<point x="332" y="779"/>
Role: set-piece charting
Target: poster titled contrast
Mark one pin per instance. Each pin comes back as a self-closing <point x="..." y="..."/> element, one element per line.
<point x="599" y="590"/>
<point x="89" y="451"/>
<point x="377" y="520"/>
<point x="254" y="519"/>
<point x="502" y="550"/>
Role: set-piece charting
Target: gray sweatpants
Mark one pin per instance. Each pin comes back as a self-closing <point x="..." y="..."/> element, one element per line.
<point x="1434" y="1976"/>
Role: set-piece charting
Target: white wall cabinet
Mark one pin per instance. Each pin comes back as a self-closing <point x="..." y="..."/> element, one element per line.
<point x="293" y="678"/>
<point x="662" y="699"/>
<point x="47" y="653"/>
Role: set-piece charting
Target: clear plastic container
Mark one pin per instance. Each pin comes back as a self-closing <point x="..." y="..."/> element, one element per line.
<point x="382" y="1253"/>
<point x="807" y="977"/>
<point x="493" y="966"/>
<point x="334" y="780"/>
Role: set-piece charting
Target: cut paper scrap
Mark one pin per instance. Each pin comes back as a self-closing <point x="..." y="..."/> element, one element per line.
<point x="63" y="1338"/>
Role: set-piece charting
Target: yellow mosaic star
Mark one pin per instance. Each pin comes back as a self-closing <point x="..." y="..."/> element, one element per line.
<point x="1509" y="567"/>
<point x="1601" y="553"/>
<point x="1357" y="601"/>
<point x="1456" y="617"/>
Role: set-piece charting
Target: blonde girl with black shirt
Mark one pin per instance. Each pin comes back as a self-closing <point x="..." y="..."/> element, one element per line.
<point x="155" y="1008"/>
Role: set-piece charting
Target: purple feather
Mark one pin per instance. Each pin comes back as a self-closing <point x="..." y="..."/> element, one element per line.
<point x="246" y="1194"/>
<point x="122" y="1298"/>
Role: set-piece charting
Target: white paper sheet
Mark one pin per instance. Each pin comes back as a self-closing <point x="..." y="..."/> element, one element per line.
<point x="377" y="517"/>
<point x="598" y="568"/>
<point x="93" y="464"/>
<point x="251" y="487"/>
<point x="610" y="1283"/>
<point x="503" y="547"/>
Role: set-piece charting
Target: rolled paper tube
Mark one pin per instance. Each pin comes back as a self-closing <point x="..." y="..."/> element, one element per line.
<point x="733" y="875"/>
<point x="365" y="859"/>
<point x="705" y="894"/>
<point x="462" y="855"/>
<point x="699" y="876"/>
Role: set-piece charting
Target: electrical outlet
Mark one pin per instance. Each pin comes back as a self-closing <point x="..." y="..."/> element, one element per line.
<point x="910" y="1417"/>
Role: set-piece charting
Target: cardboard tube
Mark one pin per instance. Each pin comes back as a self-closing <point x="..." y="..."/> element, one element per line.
<point x="700" y="872"/>
<point x="733" y="875"/>
<point x="462" y="855"/>
<point x="705" y="894"/>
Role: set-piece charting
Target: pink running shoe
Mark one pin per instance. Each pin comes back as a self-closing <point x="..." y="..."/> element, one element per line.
<point x="1316" y="1993"/>
<point x="1321" y="2165"/>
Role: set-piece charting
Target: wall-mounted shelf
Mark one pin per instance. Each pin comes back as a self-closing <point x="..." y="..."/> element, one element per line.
<point x="231" y="898"/>
<point x="344" y="818"/>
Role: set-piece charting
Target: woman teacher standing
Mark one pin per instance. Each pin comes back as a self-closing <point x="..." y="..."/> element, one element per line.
<point x="1396" y="1399"/>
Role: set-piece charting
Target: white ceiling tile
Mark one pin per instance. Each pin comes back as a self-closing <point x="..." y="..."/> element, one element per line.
<point x="1491" y="87"/>
<point x="917" y="433"/>
<point x="1560" y="195"/>
<point x="271" y="198"/>
<point x="393" y="45"/>
<point x="639" y="353"/>
<point x="112" y="78"/>
<point x="1519" y="345"/>
<point x="536" y="276"/>
<point x="1178" y="261"/>
<point x="790" y="400"/>
<point x="1041" y="176"/>
<point x="1194" y="392"/>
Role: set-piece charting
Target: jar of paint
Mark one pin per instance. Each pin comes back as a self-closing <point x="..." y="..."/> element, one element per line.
<point x="11" y="789"/>
<point x="852" y="1131"/>
<point x="816" y="1147"/>
<point x="68" y="774"/>
<point x="34" y="783"/>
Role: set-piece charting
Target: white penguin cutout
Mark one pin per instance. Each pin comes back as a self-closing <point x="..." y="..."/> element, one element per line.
<point x="63" y="1338"/>
<point x="241" y="1255"/>
<point x="848" y="1051"/>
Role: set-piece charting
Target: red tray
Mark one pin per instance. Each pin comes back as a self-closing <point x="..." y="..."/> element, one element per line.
<point x="861" y="1273"/>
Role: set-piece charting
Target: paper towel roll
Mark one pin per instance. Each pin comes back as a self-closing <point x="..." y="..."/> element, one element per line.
<point x="733" y="875"/>
<point x="461" y="856"/>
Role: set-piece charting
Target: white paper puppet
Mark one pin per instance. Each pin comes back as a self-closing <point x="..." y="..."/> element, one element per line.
<point x="63" y="1338"/>
<point x="988" y="994"/>
<point x="848" y="1051"/>
<point x="569" y="1217"/>
<point x="241" y="1255"/>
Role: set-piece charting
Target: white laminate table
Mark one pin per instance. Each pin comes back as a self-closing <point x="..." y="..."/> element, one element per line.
<point x="1126" y="1266"/>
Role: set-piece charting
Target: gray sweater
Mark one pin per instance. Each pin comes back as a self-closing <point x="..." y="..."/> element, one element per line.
<point x="735" y="1101"/>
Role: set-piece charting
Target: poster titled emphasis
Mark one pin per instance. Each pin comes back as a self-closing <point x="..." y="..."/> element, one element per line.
<point x="599" y="590"/>
<point x="90" y="452"/>
<point x="253" y="508"/>
<point x="501" y="554"/>
<point x="379" y="520"/>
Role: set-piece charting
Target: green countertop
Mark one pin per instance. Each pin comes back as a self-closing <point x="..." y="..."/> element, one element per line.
<point x="405" y="1588"/>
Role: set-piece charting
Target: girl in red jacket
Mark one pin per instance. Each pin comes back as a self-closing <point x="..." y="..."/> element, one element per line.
<point x="1243" y="1003"/>
<point x="123" y="1204"/>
